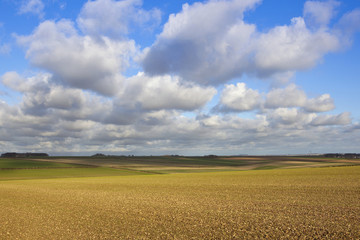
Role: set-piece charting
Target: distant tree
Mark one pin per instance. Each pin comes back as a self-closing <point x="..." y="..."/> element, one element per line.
<point x="99" y="155"/>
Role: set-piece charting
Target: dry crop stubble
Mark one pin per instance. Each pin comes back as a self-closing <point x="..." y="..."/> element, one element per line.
<point x="297" y="203"/>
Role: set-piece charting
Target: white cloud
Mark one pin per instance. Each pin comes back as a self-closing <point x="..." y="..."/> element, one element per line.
<point x="62" y="98"/>
<point x="14" y="81"/>
<point x="293" y="47"/>
<point x="205" y="19"/>
<point x="35" y="7"/>
<point x="78" y="61"/>
<point x="43" y="96"/>
<point x="238" y="98"/>
<point x="165" y="92"/>
<point x="230" y="124"/>
<point x="290" y="116"/>
<point x="296" y="118"/>
<point x="323" y="103"/>
<point x="114" y="18"/>
<point x="290" y="96"/>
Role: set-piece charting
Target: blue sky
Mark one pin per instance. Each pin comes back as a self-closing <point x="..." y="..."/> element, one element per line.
<point x="179" y="77"/>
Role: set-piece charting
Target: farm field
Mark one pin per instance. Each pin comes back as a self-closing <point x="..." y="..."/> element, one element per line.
<point x="181" y="164"/>
<point x="62" y="167"/>
<point x="304" y="203"/>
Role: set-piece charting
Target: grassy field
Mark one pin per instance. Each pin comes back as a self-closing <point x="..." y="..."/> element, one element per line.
<point x="304" y="203"/>
<point x="17" y="163"/>
<point x="17" y="169"/>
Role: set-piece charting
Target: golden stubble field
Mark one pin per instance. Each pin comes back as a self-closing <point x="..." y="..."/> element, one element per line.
<point x="317" y="203"/>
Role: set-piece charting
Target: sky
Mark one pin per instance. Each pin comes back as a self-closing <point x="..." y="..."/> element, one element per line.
<point x="225" y="77"/>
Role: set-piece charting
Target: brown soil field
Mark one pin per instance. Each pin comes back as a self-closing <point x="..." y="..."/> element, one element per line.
<point x="307" y="203"/>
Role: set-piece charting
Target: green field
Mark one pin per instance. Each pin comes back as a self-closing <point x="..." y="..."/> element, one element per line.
<point x="16" y="163"/>
<point x="302" y="203"/>
<point x="17" y="169"/>
<point x="18" y="174"/>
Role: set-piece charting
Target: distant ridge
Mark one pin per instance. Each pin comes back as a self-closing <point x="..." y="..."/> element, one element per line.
<point x="23" y="155"/>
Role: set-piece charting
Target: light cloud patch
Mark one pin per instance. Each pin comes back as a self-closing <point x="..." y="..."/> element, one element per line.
<point x="349" y="24"/>
<point x="114" y="18"/>
<point x="35" y="7"/>
<point x="320" y="13"/>
<point x="5" y="49"/>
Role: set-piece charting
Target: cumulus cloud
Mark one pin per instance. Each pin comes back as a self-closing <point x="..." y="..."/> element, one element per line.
<point x="42" y="96"/>
<point x="113" y="18"/>
<point x="78" y="61"/>
<point x="164" y="92"/>
<point x="14" y="81"/>
<point x="238" y="98"/>
<point x="292" y="96"/>
<point x="203" y="42"/>
<point x="40" y="101"/>
<point x="296" y="118"/>
<point x="290" y="116"/>
<point x="162" y="131"/>
<point x="292" y="47"/>
<point x="232" y="123"/>
<point x="35" y="7"/>
<point x="323" y="103"/>
<point x="145" y="101"/>
<point x="210" y="43"/>
<point x="144" y="98"/>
